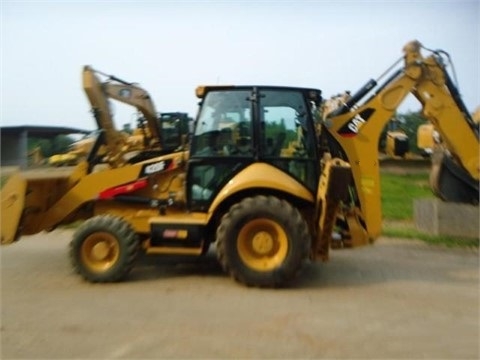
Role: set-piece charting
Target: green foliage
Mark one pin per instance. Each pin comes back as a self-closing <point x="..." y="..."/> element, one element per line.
<point x="49" y="147"/>
<point x="272" y="129"/>
<point x="398" y="192"/>
<point x="61" y="143"/>
<point x="45" y="145"/>
<point x="409" y="232"/>
<point x="409" y="123"/>
<point x="127" y="128"/>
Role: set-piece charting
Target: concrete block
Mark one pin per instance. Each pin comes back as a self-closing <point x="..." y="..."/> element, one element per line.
<point x="437" y="217"/>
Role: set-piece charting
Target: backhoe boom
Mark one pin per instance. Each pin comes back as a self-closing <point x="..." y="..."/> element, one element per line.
<point x="354" y="129"/>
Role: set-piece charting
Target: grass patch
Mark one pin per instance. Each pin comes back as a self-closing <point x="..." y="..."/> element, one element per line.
<point x="408" y="231"/>
<point x="398" y="193"/>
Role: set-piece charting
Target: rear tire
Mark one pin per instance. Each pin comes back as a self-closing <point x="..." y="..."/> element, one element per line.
<point x="104" y="249"/>
<point x="262" y="241"/>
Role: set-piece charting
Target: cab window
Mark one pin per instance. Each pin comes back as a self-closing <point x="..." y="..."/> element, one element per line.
<point x="224" y="125"/>
<point x="286" y="141"/>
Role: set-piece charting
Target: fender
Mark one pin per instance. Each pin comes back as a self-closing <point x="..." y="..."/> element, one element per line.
<point x="262" y="175"/>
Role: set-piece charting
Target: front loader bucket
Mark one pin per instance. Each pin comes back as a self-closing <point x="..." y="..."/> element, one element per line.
<point x="12" y="196"/>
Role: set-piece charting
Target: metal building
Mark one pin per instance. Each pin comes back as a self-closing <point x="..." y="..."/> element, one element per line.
<point x="14" y="141"/>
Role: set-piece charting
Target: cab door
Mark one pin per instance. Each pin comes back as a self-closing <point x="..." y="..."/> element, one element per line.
<point x="287" y="135"/>
<point x="222" y="144"/>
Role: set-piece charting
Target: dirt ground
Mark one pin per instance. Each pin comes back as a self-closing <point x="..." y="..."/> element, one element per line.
<point x="397" y="299"/>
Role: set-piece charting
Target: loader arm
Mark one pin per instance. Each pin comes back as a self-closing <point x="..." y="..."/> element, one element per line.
<point x="353" y="129"/>
<point x="34" y="202"/>
<point x="12" y="197"/>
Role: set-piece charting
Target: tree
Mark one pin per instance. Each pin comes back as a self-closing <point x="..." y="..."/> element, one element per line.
<point x="61" y="143"/>
<point x="49" y="147"/>
<point x="410" y="123"/>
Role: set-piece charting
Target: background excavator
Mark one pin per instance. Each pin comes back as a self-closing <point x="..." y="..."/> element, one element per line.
<point x="397" y="142"/>
<point x="155" y="133"/>
<point x="427" y="138"/>
<point x="267" y="178"/>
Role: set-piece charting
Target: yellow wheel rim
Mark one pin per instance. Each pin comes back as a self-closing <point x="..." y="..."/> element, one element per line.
<point x="100" y="251"/>
<point x="262" y="244"/>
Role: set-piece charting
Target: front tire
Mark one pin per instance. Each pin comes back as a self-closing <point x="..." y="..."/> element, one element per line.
<point x="104" y="249"/>
<point x="262" y="241"/>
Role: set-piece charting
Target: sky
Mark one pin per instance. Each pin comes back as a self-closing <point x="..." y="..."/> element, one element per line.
<point x="171" y="47"/>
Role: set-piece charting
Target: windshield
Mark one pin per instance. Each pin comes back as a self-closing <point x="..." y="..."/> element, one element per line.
<point x="224" y="124"/>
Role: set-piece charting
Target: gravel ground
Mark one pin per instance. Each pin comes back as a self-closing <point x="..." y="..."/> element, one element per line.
<point x="398" y="299"/>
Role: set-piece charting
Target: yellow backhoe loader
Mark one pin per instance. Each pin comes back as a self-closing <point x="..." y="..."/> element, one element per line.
<point x="267" y="208"/>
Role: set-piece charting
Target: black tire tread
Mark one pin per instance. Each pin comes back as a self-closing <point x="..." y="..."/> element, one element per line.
<point x="293" y="220"/>
<point x="127" y="238"/>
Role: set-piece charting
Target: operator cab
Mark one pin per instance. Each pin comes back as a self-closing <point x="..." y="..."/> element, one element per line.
<point x="237" y="126"/>
<point x="174" y="130"/>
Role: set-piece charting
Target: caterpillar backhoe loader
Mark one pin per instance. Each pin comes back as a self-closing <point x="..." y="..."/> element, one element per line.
<point x="266" y="204"/>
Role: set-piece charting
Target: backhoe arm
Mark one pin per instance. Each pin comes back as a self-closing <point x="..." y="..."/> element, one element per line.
<point x="352" y="130"/>
<point x="443" y="107"/>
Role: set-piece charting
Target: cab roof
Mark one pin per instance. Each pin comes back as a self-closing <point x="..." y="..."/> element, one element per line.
<point x="202" y="90"/>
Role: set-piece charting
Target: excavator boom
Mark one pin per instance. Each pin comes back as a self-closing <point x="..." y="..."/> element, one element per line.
<point x="100" y="91"/>
<point x="114" y="141"/>
<point x="139" y="98"/>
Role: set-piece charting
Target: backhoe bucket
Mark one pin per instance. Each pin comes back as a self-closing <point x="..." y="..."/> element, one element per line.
<point x="12" y="196"/>
<point x="450" y="182"/>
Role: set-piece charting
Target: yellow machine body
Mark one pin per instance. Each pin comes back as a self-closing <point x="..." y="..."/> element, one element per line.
<point x="265" y="177"/>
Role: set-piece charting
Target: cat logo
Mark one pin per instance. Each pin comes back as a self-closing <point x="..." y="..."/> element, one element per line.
<point x="353" y="126"/>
